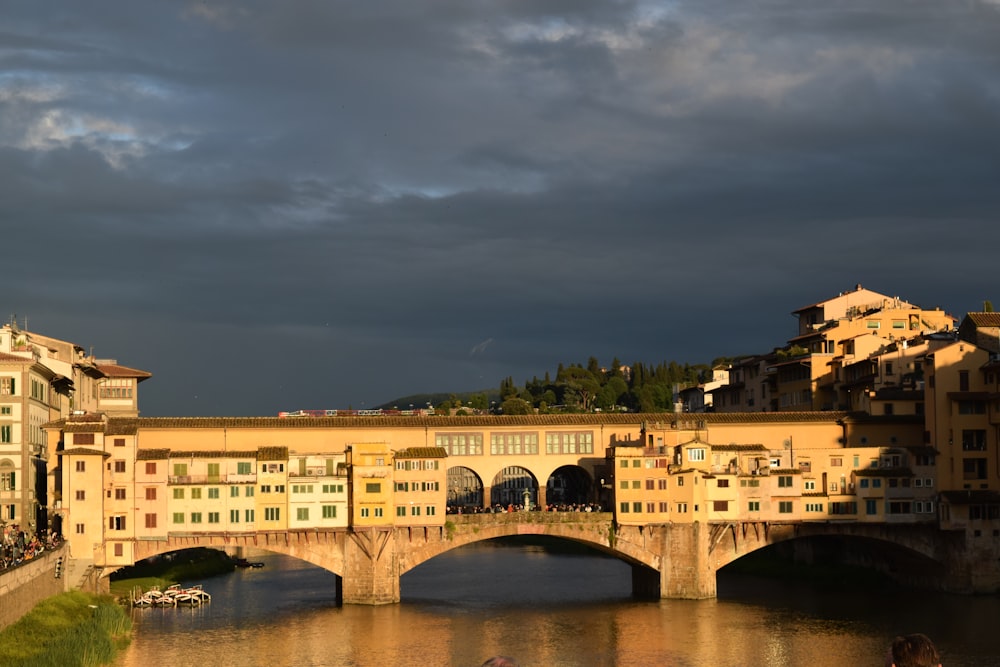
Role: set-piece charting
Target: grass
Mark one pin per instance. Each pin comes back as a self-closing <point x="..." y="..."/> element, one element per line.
<point x="73" y="629"/>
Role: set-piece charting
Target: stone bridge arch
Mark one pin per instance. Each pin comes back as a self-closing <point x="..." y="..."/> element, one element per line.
<point x="595" y="530"/>
<point x="321" y="548"/>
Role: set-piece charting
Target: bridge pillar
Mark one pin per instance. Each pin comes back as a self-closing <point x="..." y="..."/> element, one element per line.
<point x="371" y="567"/>
<point x="686" y="570"/>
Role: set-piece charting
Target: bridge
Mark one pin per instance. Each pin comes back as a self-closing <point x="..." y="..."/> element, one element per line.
<point x="677" y="561"/>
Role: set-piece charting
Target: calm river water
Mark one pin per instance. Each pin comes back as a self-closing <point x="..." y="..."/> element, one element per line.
<point x="548" y="610"/>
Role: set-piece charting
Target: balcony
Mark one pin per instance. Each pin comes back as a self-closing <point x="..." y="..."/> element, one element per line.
<point x="235" y="478"/>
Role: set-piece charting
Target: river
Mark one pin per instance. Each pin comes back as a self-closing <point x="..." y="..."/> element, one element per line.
<point x="553" y="610"/>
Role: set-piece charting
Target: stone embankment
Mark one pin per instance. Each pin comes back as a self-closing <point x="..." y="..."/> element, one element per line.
<point x="24" y="586"/>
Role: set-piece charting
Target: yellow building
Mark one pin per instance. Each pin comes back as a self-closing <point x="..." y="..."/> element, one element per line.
<point x="420" y="483"/>
<point x="370" y="484"/>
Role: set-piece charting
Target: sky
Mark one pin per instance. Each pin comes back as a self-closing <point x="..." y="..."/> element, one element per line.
<point x="314" y="204"/>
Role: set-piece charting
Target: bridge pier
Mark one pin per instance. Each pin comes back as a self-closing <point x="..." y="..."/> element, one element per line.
<point x="371" y="571"/>
<point x="686" y="569"/>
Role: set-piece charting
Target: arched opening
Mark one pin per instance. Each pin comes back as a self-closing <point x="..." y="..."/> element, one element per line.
<point x="514" y="487"/>
<point x="465" y="490"/>
<point x="569" y="487"/>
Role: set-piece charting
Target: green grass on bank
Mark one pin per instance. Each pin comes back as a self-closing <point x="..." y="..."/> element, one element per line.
<point x="72" y="629"/>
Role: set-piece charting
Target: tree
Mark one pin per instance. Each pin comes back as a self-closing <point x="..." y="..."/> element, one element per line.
<point x="987" y="306"/>
<point x="516" y="406"/>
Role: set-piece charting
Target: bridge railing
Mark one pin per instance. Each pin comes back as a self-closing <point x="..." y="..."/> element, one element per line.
<point x="491" y="519"/>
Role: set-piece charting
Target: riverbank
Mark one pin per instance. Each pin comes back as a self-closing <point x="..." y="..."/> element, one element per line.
<point x="171" y="568"/>
<point x="72" y="629"/>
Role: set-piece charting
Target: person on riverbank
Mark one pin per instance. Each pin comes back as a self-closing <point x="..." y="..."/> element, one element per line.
<point x="914" y="650"/>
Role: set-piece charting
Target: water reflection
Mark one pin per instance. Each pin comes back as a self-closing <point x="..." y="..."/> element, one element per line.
<point x="548" y="609"/>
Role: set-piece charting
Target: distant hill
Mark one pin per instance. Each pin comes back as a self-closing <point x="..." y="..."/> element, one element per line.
<point x="421" y="400"/>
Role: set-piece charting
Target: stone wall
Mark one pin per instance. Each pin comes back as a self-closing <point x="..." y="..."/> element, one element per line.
<point x="24" y="586"/>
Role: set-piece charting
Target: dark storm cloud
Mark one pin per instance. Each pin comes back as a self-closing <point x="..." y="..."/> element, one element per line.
<point x="314" y="204"/>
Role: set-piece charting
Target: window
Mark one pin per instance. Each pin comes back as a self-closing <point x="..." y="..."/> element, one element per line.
<point x="814" y="507"/>
<point x="81" y="466"/>
<point x="249" y="516"/>
<point x="150" y="467"/>
<point x="871" y="507"/>
<point x="8" y="386"/>
<point x="400" y="511"/>
<point x="974" y="468"/>
<point x="753" y="506"/>
<point x="119" y="442"/>
<point x="119" y="494"/>
<point x="178" y="517"/>
<point x="723" y="483"/>
<point x="83" y="438"/>
<point x="150" y="520"/>
<point x="378" y="511"/>
<point x="785" y="481"/>
<point x="195" y="517"/>
<point x="837" y="461"/>
<point x="81" y="529"/>
<point x="636" y="484"/>
<point x="810" y="485"/>
<point x="8" y="481"/>
<point x="329" y="511"/>
<point x="624" y="463"/>
<point x="302" y="513"/>
<point x="574" y="442"/>
<point x="234" y="516"/>
<point x="650" y="507"/>
<point x="213" y="493"/>
<point x="873" y="324"/>
<point x="414" y="511"/>
<point x="248" y="491"/>
<point x="178" y="494"/>
<point x="637" y="507"/>
<point x="119" y="465"/>
<point x="974" y="440"/>
<point x="234" y="492"/>
<point x="272" y="514"/>
<point x="662" y="484"/>
<point x="623" y="485"/>
<point x="863" y="482"/>
<point x="243" y="468"/>
<point x="119" y="549"/>
<point x="373" y="487"/>
<point x="682" y="508"/>
<point x="6" y="433"/>
<point x="963" y="380"/>
<point x="265" y="488"/>
<point x="720" y="505"/>
<point x="81" y="494"/>
<point x="785" y="507"/>
<point x="195" y="494"/>
<point x="680" y="481"/>
<point x="180" y="469"/>
<point x="213" y="517"/>
<point x="876" y="483"/>
<point x="512" y="443"/>
<point x="623" y="508"/>
<point x="460" y="444"/>
<point x="696" y="454"/>
<point x="6" y="410"/>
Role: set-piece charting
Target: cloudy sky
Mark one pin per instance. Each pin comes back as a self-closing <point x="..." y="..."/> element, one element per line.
<point x="320" y="204"/>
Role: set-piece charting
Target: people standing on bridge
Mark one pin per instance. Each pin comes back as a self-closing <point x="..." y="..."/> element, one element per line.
<point x="914" y="650"/>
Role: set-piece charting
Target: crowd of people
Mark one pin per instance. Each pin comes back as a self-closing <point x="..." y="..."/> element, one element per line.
<point x="18" y="546"/>
<point x="501" y="509"/>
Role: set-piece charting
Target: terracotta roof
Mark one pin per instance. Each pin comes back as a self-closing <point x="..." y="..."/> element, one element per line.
<point x="86" y="451"/>
<point x="635" y="419"/>
<point x="733" y="447"/>
<point x="984" y="319"/>
<point x="15" y="359"/>
<point x="151" y="454"/>
<point x="422" y="453"/>
<point x="272" y="454"/>
<point x="119" y="371"/>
